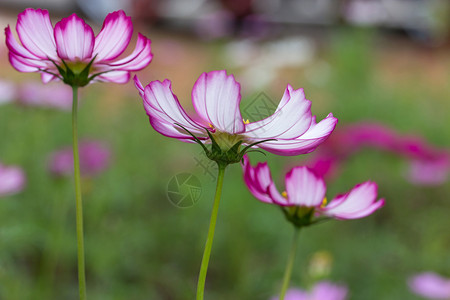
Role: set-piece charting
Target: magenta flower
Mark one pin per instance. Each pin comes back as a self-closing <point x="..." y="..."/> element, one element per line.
<point x="291" y="130"/>
<point x="70" y="51"/>
<point x="94" y="159"/>
<point x="431" y="286"/>
<point x="321" y="291"/>
<point x="12" y="180"/>
<point x="50" y="96"/>
<point x="304" y="197"/>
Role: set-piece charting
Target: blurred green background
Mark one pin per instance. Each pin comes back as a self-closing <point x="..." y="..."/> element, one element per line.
<point x="140" y="246"/>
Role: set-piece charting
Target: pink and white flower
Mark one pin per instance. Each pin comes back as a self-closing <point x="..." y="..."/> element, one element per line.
<point x="12" y="180"/>
<point x="306" y="191"/>
<point x="216" y="97"/>
<point x="431" y="286"/>
<point x="70" y="48"/>
<point x="321" y="291"/>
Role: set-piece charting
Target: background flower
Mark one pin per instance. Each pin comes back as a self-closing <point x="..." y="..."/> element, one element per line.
<point x="323" y="290"/>
<point x="430" y="285"/>
<point x="12" y="180"/>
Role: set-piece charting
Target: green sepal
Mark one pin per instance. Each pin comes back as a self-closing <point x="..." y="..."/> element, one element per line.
<point x="299" y="216"/>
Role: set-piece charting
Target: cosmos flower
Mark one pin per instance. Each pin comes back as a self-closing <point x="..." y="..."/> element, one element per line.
<point x="431" y="286"/>
<point x="304" y="197"/>
<point x="291" y="130"/>
<point x="94" y="159"/>
<point x="12" y="180"/>
<point x="321" y="291"/>
<point x="69" y="51"/>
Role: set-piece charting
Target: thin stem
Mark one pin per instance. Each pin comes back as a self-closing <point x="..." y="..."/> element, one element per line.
<point x="79" y="202"/>
<point x="290" y="264"/>
<point x="209" y="240"/>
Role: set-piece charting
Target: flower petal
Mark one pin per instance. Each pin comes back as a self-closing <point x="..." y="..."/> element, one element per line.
<point x="36" y="33"/>
<point x="137" y="60"/>
<point x="15" y="47"/>
<point x="305" y="143"/>
<point x="165" y="111"/>
<point x="257" y="179"/>
<point x="114" y="76"/>
<point x="304" y="188"/>
<point x="290" y="120"/>
<point x="216" y="98"/>
<point x="430" y="285"/>
<point x="25" y="65"/>
<point x="329" y="291"/>
<point x="74" y="39"/>
<point x="114" y="37"/>
<point x="358" y="203"/>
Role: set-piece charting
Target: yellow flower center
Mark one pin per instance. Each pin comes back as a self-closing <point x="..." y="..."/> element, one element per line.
<point x="284" y="194"/>
<point x="324" y="202"/>
<point x="246" y="121"/>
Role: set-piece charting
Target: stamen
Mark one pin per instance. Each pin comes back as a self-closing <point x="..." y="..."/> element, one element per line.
<point x="246" y="121"/>
<point x="284" y="194"/>
<point x="324" y="202"/>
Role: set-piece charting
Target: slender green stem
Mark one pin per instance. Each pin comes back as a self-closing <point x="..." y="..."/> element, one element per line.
<point x="209" y="240"/>
<point x="79" y="202"/>
<point x="290" y="264"/>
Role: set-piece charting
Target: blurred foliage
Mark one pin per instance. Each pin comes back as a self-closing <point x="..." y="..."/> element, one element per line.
<point x="140" y="246"/>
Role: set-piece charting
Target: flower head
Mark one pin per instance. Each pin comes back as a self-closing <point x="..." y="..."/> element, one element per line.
<point x="94" y="158"/>
<point x="321" y="291"/>
<point x="430" y="286"/>
<point x="304" y="197"/>
<point x="216" y="97"/>
<point x="12" y="180"/>
<point x="69" y="51"/>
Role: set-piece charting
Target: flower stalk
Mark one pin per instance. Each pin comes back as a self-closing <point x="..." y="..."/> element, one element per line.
<point x="79" y="202"/>
<point x="211" y="230"/>
<point x="290" y="264"/>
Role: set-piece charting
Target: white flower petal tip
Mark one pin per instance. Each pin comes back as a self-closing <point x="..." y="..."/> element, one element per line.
<point x="360" y="202"/>
<point x="71" y="44"/>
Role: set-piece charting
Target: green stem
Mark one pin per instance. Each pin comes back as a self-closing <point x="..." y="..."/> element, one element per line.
<point x="209" y="240"/>
<point x="290" y="264"/>
<point x="79" y="202"/>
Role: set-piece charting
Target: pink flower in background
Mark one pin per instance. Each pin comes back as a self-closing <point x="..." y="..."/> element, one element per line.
<point x="321" y="291"/>
<point x="51" y="95"/>
<point x="69" y="51"/>
<point x="430" y="285"/>
<point x="12" y="180"/>
<point x="428" y="164"/>
<point x="94" y="159"/>
<point x="291" y="130"/>
<point x="306" y="191"/>
<point x="8" y="91"/>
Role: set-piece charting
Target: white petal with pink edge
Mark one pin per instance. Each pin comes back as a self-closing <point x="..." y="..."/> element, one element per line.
<point x="114" y="37"/>
<point x="138" y="59"/>
<point x="304" y="188"/>
<point x="165" y="110"/>
<point x="216" y="98"/>
<point x="257" y="179"/>
<point x="358" y="203"/>
<point x="74" y="39"/>
<point x="290" y="120"/>
<point x="36" y="33"/>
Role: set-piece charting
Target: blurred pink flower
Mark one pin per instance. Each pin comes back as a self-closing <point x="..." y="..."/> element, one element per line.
<point x="8" y="91"/>
<point x="291" y="130"/>
<point x="52" y="95"/>
<point x="429" y="165"/>
<point x="304" y="189"/>
<point x="94" y="159"/>
<point x="12" y="180"/>
<point x="321" y="291"/>
<point x="70" y="51"/>
<point x="430" y="285"/>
